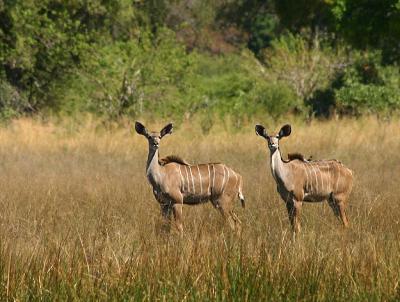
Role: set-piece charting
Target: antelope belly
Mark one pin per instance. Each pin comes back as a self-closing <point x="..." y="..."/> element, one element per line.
<point x="314" y="197"/>
<point x="193" y="200"/>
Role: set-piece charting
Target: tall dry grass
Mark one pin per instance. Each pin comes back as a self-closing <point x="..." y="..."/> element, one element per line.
<point x="78" y="220"/>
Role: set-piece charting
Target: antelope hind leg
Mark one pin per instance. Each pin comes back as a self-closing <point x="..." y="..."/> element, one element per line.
<point x="337" y="203"/>
<point x="225" y="206"/>
<point x="334" y="206"/>
<point x="238" y="223"/>
<point x="340" y="201"/>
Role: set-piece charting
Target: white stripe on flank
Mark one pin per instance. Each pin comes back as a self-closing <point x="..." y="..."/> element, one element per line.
<point x="337" y="180"/>
<point x="322" y="179"/>
<point x="223" y="180"/>
<point x="194" y="190"/>
<point x="227" y="181"/>
<point x="187" y="179"/>
<point x="329" y="178"/>
<point x="234" y="173"/>
<point x="209" y="179"/>
<point x="309" y="178"/>
<point x="305" y="170"/>
<point x="213" y="183"/>
<point x="316" y="178"/>
<point x="316" y="173"/>
<point x="201" y="183"/>
<point x="183" y="184"/>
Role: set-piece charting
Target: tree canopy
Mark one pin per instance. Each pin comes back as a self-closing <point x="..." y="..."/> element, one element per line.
<point x="183" y="57"/>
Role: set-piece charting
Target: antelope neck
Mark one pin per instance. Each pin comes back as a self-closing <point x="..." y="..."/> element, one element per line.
<point x="278" y="169"/>
<point x="153" y="168"/>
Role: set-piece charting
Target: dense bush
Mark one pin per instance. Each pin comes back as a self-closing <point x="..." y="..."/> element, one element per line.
<point x="129" y="77"/>
<point x="161" y="78"/>
<point x="177" y="59"/>
<point x="12" y="102"/>
<point x="368" y="86"/>
<point x="303" y="64"/>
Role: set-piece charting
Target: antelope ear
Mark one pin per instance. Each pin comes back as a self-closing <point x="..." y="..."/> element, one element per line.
<point x="285" y="131"/>
<point x="140" y="129"/>
<point x="260" y="130"/>
<point x="166" y="130"/>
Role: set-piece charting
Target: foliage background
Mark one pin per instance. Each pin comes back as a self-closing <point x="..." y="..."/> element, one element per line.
<point x="179" y="58"/>
<point x="77" y="221"/>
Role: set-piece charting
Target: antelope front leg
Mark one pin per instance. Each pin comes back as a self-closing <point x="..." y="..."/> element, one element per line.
<point x="177" y="208"/>
<point x="294" y="211"/>
<point x="166" y="211"/>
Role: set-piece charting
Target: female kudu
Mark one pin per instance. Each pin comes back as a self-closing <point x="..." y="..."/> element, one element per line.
<point x="301" y="180"/>
<point x="175" y="182"/>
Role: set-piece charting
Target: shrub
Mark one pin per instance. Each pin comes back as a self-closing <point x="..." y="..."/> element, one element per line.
<point x="237" y="86"/>
<point x="130" y="77"/>
<point x="277" y="99"/>
<point x="368" y="86"/>
<point x="12" y="102"/>
<point x="305" y="66"/>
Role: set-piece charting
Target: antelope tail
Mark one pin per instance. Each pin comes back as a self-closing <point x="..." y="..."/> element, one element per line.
<point x="240" y="195"/>
<point x="242" y="201"/>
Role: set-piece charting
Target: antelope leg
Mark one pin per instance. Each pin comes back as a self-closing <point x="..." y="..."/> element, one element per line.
<point x="338" y="206"/>
<point x="166" y="211"/>
<point x="177" y="208"/>
<point x="334" y="206"/>
<point x="225" y="208"/>
<point x="294" y="211"/>
<point x="342" y="211"/>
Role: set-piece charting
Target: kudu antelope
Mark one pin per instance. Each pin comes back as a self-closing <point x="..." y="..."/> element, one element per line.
<point x="175" y="182"/>
<point x="301" y="180"/>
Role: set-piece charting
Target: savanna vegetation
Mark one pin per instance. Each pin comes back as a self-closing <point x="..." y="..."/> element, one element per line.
<point x="79" y="221"/>
<point x="176" y="59"/>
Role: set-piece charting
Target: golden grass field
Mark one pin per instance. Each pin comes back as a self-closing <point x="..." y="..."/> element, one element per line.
<point x="78" y="220"/>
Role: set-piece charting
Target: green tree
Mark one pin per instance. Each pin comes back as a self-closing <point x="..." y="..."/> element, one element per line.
<point x="296" y="15"/>
<point x="256" y="17"/>
<point x="41" y="42"/>
<point x="370" y="24"/>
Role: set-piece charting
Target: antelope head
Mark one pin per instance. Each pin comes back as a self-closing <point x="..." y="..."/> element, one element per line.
<point x="153" y="138"/>
<point x="273" y="140"/>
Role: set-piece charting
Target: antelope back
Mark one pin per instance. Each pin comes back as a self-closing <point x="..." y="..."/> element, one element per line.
<point x="209" y="180"/>
<point x="326" y="176"/>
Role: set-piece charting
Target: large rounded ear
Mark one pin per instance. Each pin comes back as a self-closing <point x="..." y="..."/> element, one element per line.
<point x="260" y="130"/>
<point x="285" y="131"/>
<point x="166" y="130"/>
<point x="140" y="129"/>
